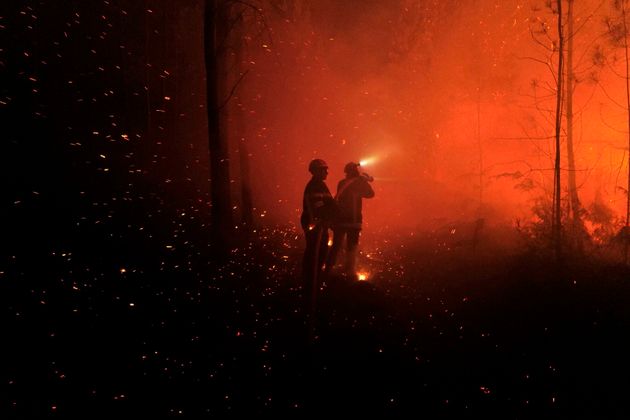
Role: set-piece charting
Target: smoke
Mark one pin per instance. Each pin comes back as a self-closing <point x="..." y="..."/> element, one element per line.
<point x="451" y="102"/>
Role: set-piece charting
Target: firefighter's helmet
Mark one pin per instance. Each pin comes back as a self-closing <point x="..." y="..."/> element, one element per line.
<point x="351" y="168"/>
<point x="316" y="164"/>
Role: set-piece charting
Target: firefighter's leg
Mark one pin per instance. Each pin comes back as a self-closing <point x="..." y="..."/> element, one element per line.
<point x="308" y="262"/>
<point x="337" y="241"/>
<point x="309" y="251"/>
<point x="317" y="262"/>
<point x="323" y="250"/>
<point x="351" y="251"/>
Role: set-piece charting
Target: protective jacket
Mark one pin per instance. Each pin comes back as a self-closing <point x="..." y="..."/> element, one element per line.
<point x="318" y="205"/>
<point x="350" y="193"/>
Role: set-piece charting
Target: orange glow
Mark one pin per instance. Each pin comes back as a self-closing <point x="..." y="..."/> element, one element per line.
<point x="453" y="126"/>
<point x="362" y="276"/>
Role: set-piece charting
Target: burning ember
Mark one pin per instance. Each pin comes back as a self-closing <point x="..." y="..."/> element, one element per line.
<point x="362" y="276"/>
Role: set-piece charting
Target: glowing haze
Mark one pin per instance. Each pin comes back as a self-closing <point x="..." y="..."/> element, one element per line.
<point x="448" y="104"/>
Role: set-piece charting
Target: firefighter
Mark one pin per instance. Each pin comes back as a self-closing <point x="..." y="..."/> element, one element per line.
<point x="318" y="212"/>
<point x="350" y="193"/>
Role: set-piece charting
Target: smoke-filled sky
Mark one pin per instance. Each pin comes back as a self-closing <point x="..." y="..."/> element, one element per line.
<point x="451" y="101"/>
<point x="444" y="96"/>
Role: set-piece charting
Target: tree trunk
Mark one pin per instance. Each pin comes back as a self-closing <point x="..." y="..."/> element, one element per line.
<point x="147" y="75"/>
<point x="625" y="44"/>
<point x="215" y="34"/>
<point x="480" y="149"/>
<point x="577" y="227"/>
<point x="247" y="203"/>
<point x="556" y="224"/>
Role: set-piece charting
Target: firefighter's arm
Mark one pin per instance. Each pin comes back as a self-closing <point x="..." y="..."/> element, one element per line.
<point x="317" y="201"/>
<point x="366" y="189"/>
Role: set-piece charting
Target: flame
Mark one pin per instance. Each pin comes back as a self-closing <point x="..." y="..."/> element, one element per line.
<point x="330" y="242"/>
<point x="363" y="276"/>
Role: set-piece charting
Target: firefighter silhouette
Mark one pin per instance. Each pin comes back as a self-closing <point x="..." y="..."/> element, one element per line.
<point x="319" y="208"/>
<point x="350" y="193"/>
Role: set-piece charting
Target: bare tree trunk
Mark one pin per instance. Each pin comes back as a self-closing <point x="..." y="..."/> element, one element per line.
<point x="247" y="217"/>
<point x="247" y="203"/>
<point x="556" y="226"/>
<point x="147" y="94"/>
<point x="215" y="35"/>
<point x="480" y="148"/>
<point x="577" y="228"/>
<point x="625" y="45"/>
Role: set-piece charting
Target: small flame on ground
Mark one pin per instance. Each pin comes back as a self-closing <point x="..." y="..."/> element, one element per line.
<point x="363" y="276"/>
<point x="330" y="242"/>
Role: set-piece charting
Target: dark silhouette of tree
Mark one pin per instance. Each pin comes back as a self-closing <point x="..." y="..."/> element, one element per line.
<point x="575" y="207"/>
<point x="617" y="33"/>
<point x="216" y="31"/>
<point x="552" y="43"/>
<point x="247" y="202"/>
<point x="556" y="224"/>
<point x="228" y="24"/>
<point x="565" y="71"/>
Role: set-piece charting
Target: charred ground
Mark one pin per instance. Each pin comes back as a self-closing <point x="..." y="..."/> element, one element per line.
<point x="119" y="321"/>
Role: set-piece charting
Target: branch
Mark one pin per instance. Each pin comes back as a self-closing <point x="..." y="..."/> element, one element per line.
<point x="233" y="90"/>
<point x="590" y="16"/>
<point x="612" y="69"/>
<point x="258" y="11"/>
<point x="581" y="110"/>
<point x="537" y="41"/>
<point x="601" y="117"/>
<point x="587" y="49"/>
<point x="523" y="138"/>
<point x="619" y="170"/>
<point x="537" y="60"/>
<point x="609" y="97"/>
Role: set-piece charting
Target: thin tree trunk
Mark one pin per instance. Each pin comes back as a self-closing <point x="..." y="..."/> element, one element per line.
<point x="215" y="34"/>
<point x="480" y="148"/>
<point x="247" y="203"/>
<point x="574" y="201"/>
<point x="121" y="36"/>
<point x="480" y="212"/>
<point x="147" y="45"/>
<point x="556" y="226"/>
<point x="625" y="44"/>
<point x="247" y="217"/>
